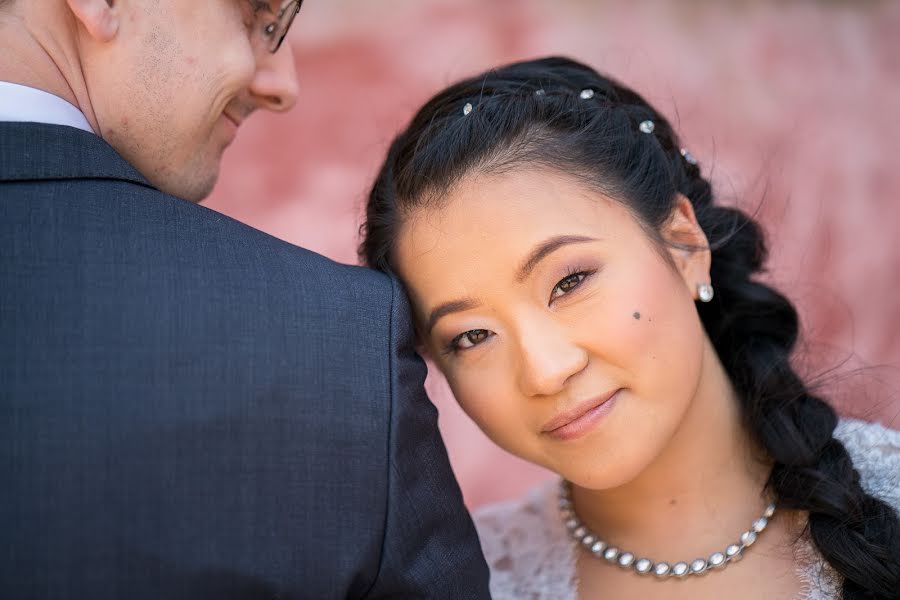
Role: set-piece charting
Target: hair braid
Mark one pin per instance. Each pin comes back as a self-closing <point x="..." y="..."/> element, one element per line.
<point x="754" y="329"/>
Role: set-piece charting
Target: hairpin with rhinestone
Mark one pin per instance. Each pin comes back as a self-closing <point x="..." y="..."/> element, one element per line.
<point x="647" y="126"/>
<point x="467" y="109"/>
<point x="688" y="157"/>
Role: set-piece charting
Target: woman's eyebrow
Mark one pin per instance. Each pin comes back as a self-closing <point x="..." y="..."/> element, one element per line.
<point x="446" y="308"/>
<point x="545" y="249"/>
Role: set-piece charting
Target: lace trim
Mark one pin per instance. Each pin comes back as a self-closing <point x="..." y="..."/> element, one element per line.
<point x="528" y="550"/>
<point x="532" y="557"/>
<point x="820" y="581"/>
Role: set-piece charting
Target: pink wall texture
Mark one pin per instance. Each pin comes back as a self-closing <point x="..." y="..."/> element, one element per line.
<point x="792" y="108"/>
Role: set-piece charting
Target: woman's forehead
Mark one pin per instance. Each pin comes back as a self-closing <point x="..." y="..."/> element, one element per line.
<point x="505" y="213"/>
<point x="476" y="242"/>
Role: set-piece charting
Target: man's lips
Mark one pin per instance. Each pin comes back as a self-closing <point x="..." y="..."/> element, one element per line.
<point x="574" y="414"/>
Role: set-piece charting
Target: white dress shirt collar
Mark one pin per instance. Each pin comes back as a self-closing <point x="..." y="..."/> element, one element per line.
<point x="28" y="104"/>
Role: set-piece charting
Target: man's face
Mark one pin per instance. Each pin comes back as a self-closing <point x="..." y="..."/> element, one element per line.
<point x="170" y="91"/>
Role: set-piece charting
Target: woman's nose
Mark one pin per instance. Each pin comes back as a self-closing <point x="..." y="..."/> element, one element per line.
<point x="550" y="358"/>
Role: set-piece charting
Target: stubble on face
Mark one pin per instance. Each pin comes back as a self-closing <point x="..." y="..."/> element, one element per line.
<point x="167" y="119"/>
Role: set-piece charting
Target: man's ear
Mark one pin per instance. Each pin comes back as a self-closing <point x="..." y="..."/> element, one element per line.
<point x="99" y="17"/>
<point x="688" y="245"/>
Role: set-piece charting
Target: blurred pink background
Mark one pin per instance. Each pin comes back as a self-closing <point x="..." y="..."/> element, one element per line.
<point x="792" y="108"/>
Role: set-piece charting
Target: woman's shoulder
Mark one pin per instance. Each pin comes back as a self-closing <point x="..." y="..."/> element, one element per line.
<point x="527" y="547"/>
<point x="875" y="451"/>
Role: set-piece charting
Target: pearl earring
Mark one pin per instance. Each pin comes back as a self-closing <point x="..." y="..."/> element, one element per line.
<point x="705" y="292"/>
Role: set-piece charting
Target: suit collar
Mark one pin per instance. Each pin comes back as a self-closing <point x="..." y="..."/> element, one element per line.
<point x="39" y="151"/>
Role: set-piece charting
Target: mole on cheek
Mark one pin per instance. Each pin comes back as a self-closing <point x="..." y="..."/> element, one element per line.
<point x="637" y="316"/>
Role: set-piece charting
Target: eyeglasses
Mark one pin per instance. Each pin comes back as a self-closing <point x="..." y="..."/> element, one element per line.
<point x="275" y="32"/>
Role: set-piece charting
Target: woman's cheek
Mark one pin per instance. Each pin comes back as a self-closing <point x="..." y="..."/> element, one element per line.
<point x="492" y="408"/>
<point x="620" y="329"/>
<point x="649" y="316"/>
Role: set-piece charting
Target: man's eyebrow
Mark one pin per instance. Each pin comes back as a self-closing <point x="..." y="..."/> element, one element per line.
<point x="259" y="5"/>
<point x="546" y="248"/>
<point x="447" y="308"/>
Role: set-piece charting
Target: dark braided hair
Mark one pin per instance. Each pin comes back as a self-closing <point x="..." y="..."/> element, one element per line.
<point x="560" y="114"/>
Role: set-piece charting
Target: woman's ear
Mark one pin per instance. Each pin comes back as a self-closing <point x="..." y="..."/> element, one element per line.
<point x="98" y="17"/>
<point x="688" y="245"/>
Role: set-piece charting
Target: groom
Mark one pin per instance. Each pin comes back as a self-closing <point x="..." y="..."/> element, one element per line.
<point x="191" y="408"/>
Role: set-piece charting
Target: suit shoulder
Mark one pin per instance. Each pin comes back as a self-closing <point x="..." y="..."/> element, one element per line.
<point x="361" y="288"/>
<point x="173" y="248"/>
<point x="275" y="256"/>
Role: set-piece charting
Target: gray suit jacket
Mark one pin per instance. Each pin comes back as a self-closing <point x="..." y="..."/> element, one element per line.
<point x="194" y="409"/>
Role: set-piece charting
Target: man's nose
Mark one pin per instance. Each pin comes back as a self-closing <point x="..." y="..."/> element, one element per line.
<point x="274" y="85"/>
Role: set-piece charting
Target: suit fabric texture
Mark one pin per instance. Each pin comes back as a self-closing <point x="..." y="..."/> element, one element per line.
<point x="194" y="409"/>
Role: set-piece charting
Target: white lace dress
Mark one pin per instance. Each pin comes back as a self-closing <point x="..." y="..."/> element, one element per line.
<point x="531" y="555"/>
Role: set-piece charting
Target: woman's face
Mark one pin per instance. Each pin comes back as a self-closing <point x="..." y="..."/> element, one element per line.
<point x="561" y="328"/>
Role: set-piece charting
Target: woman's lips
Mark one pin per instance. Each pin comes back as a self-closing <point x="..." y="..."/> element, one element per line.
<point x="576" y="422"/>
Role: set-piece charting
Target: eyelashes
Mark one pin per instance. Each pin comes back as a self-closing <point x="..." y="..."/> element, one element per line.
<point x="474" y="337"/>
<point x="469" y="339"/>
<point x="568" y="283"/>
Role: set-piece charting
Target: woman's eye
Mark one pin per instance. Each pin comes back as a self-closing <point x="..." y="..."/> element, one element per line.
<point x="470" y="339"/>
<point x="567" y="284"/>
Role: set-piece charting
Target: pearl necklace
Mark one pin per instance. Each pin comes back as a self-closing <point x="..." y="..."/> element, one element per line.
<point x="643" y="566"/>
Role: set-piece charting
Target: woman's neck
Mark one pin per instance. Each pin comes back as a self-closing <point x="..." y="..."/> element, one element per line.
<point x="700" y="493"/>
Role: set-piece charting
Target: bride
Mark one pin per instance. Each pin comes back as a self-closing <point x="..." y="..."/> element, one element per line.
<point x="597" y="313"/>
